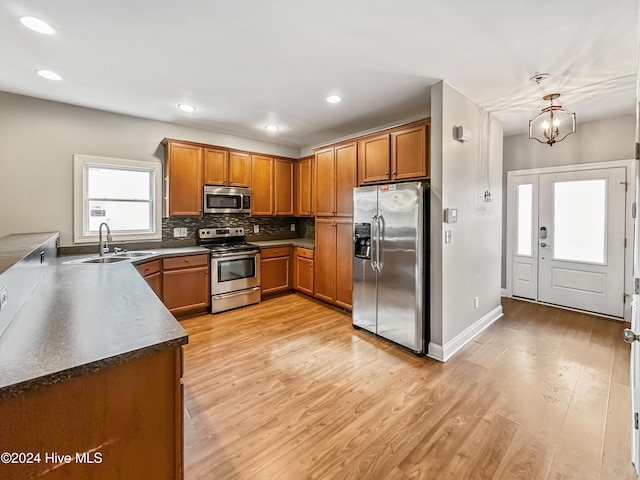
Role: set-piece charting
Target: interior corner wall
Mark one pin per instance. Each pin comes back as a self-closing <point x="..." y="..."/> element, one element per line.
<point x="38" y="139"/>
<point x="596" y="141"/>
<point x="436" y="214"/>
<point x="471" y="263"/>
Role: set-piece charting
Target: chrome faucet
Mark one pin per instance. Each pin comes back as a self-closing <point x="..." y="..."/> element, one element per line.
<point x="104" y="245"/>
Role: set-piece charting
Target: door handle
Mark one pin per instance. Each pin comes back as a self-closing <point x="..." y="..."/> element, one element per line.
<point x="374" y="265"/>
<point x="380" y="252"/>
<point x="545" y="245"/>
<point x="630" y="336"/>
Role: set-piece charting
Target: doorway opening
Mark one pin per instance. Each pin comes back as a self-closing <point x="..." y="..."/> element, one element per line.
<point x="570" y="236"/>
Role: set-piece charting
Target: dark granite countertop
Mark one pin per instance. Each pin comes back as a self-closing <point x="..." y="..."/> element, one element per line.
<point x="152" y="254"/>
<point x="15" y="247"/>
<point x="294" y="242"/>
<point x="84" y="317"/>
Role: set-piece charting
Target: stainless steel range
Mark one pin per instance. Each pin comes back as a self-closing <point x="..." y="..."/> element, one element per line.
<point x="235" y="267"/>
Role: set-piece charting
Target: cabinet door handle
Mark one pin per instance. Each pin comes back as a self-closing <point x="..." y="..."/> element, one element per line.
<point x="186" y="260"/>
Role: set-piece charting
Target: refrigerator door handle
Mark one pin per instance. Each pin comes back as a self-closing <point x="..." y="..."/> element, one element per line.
<point x="380" y="249"/>
<point x="374" y="265"/>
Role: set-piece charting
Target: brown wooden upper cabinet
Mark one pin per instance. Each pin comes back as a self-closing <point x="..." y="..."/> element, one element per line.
<point x="395" y="156"/>
<point x="303" y="187"/>
<point x="283" y="187"/>
<point x="184" y="179"/>
<point x="335" y="179"/>
<point x="271" y="186"/>
<point x="225" y="168"/>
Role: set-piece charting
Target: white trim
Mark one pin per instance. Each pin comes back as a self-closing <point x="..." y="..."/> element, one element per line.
<point x="79" y="160"/>
<point x="503" y="292"/>
<point x="444" y="353"/>
<point x="435" y="352"/>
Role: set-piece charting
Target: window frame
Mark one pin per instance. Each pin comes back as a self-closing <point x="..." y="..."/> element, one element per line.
<point x="81" y="202"/>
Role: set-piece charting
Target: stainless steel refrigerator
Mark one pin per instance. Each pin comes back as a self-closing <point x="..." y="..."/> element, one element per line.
<point x="391" y="262"/>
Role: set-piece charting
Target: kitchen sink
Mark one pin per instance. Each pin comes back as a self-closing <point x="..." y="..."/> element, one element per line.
<point x="118" y="257"/>
<point x="104" y="260"/>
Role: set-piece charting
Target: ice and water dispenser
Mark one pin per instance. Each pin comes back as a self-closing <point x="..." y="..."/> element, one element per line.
<point x="362" y="240"/>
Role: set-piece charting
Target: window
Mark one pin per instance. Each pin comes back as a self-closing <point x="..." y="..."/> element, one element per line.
<point x="525" y="219"/>
<point x="579" y="219"/>
<point x="125" y="194"/>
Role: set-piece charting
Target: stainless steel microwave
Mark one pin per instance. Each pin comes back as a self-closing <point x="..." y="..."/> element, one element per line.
<point x="226" y="199"/>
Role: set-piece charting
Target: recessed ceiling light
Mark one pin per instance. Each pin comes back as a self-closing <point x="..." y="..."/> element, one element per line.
<point x="49" y="74"/>
<point x="185" y="107"/>
<point x="272" y="128"/>
<point x="38" y="25"/>
<point x="334" y="99"/>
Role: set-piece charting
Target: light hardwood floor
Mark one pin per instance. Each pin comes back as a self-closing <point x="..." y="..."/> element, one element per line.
<point x="288" y="390"/>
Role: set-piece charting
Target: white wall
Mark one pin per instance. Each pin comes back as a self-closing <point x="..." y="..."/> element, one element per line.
<point x="597" y="141"/>
<point x="469" y="266"/>
<point x="38" y="139"/>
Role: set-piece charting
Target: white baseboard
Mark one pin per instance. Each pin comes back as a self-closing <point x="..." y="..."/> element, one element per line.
<point x="435" y="352"/>
<point x="503" y="292"/>
<point x="444" y="353"/>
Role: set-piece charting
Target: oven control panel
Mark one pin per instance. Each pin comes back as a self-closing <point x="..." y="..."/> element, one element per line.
<point x="215" y="232"/>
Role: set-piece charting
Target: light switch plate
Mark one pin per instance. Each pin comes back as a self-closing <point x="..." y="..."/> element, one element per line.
<point x="293" y="227"/>
<point x="176" y="232"/>
<point x="4" y="298"/>
<point x="183" y="232"/>
<point x="451" y="215"/>
<point x="256" y="229"/>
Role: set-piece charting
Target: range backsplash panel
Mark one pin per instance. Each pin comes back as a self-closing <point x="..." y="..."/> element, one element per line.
<point x="270" y="227"/>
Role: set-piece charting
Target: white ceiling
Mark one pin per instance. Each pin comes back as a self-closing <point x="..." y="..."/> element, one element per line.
<point x="247" y="63"/>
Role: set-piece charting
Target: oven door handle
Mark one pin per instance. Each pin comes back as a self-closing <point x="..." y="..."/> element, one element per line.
<point x="234" y="255"/>
<point x="235" y="294"/>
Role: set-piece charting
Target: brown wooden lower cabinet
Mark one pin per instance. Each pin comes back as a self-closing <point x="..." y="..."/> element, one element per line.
<point x="123" y="421"/>
<point x="185" y="284"/>
<point x="333" y="261"/>
<point x="303" y="270"/>
<point x="151" y="271"/>
<point x="275" y="270"/>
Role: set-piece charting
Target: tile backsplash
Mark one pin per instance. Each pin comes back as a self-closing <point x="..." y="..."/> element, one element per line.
<point x="271" y="228"/>
<point x="275" y="228"/>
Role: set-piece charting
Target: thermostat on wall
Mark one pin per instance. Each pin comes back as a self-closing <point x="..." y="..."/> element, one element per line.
<point x="451" y="215"/>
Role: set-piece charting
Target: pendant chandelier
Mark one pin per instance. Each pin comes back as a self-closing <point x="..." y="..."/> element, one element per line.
<point x="553" y="123"/>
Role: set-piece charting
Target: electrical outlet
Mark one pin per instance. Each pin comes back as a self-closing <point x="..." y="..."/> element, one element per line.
<point x="4" y="298"/>
<point x="176" y="232"/>
<point x="256" y="229"/>
<point x="293" y="227"/>
<point x="183" y="232"/>
<point x="476" y="302"/>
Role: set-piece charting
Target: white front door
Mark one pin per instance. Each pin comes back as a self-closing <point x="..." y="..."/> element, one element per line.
<point x="581" y="235"/>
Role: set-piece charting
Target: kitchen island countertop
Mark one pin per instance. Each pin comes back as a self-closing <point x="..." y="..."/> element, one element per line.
<point x="81" y="318"/>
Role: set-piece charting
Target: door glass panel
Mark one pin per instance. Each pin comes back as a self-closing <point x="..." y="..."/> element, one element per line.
<point x="229" y="270"/>
<point x="579" y="220"/>
<point x="525" y="214"/>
